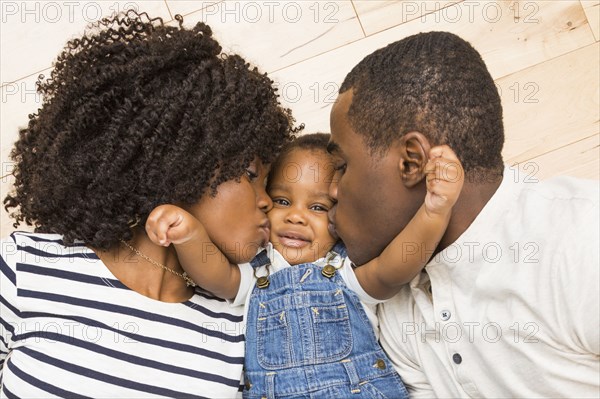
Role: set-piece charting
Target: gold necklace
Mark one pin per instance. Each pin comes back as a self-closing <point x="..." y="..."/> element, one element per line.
<point x="188" y="281"/>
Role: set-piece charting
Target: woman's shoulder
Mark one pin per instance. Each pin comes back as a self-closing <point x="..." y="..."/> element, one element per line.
<point x="17" y="244"/>
<point x="44" y="246"/>
<point x="24" y="249"/>
<point x="28" y="239"/>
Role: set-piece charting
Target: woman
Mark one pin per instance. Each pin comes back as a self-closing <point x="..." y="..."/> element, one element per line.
<point x="135" y="114"/>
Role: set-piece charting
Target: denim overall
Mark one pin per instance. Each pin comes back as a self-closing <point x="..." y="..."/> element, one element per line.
<point x="308" y="336"/>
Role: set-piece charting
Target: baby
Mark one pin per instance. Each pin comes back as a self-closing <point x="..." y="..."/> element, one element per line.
<point x="308" y="332"/>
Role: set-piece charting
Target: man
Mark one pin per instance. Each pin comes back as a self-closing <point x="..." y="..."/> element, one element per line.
<point x="508" y="306"/>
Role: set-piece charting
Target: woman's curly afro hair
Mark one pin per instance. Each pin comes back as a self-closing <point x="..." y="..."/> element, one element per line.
<point x="137" y="113"/>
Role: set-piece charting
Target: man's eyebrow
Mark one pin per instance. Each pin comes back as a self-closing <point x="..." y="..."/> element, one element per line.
<point x="333" y="147"/>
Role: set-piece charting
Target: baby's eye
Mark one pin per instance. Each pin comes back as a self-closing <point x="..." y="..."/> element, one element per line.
<point x="281" y="201"/>
<point x="319" y="208"/>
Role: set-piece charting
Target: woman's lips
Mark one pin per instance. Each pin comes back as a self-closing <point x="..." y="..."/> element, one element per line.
<point x="293" y="240"/>
<point x="265" y="228"/>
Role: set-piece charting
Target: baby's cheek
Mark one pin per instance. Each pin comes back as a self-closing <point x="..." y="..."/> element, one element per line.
<point x="272" y="215"/>
<point x="324" y="246"/>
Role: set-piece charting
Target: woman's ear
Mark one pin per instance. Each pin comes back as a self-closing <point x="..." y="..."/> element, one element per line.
<point x="413" y="148"/>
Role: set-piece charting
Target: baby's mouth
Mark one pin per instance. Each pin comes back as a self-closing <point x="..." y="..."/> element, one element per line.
<point x="293" y="240"/>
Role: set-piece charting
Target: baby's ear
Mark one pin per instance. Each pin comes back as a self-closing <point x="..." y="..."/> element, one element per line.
<point x="413" y="149"/>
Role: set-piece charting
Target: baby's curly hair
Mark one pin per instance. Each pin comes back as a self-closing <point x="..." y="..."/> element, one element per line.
<point x="136" y="114"/>
<point x="312" y="142"/>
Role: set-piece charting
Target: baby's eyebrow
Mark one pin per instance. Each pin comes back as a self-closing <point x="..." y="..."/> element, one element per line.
<point x="313" y="195"/>
<point x="320" y="195"/>
<point x="277" y="187"/>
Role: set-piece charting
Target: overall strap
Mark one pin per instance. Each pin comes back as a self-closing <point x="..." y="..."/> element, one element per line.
<point x="262" y="259"/>
<point x="340" y="249"/>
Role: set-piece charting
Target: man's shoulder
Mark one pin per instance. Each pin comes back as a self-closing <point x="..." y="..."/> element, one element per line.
<point x="560" y="203"/>
<point x="564" y="188"/>
<point x="558" y="217"/>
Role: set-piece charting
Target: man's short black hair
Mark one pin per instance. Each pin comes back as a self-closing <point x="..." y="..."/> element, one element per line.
<point x="435" y="83"/>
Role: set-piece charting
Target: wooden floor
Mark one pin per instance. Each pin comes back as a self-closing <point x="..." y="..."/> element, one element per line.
<point x="544" y="56"/>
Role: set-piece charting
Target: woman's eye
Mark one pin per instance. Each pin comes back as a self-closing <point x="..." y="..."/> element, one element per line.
<point x="281" y="201"/>
<point x="251" y="175"/>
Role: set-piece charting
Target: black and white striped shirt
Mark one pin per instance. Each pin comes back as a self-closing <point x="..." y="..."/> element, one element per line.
<point x="69" y="328"/>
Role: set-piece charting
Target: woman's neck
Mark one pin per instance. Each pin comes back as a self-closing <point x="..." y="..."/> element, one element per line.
<point x="143" y="276"/>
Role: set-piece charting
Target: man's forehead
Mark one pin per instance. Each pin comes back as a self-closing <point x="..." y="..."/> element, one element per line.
<point x="342" y="104"/>
<point x="339" y="121"/>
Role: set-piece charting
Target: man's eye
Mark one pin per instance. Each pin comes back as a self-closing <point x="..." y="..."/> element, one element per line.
<point x="340" y="167"/>
<point x="281" y="201"/>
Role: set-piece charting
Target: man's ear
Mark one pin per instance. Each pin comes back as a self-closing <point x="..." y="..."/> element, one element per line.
<point x="413" y="149"/>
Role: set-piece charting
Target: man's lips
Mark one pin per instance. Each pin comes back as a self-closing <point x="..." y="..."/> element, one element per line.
<point x="293" y="239"/>
<point x="331" y="225"/>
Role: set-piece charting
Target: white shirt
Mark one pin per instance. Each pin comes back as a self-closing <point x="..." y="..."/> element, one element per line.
<point x="69" y="328"/>
<point x="278" y="262"/>
<point x="514" y="309"/>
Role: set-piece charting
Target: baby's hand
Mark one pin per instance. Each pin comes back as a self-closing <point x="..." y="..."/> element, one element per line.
<point x="169" y="224"/>
<point x="445" y="177"/>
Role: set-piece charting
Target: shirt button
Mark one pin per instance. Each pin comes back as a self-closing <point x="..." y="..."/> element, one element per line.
<point x="457" y="358"/>
<point x="445" y="315"/>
